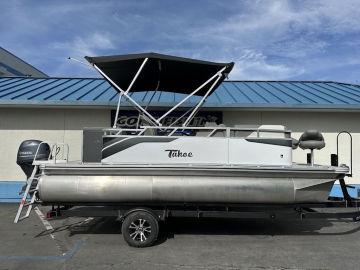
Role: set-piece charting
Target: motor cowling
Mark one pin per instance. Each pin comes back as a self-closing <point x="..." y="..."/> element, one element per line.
<point x="26" y="154"/>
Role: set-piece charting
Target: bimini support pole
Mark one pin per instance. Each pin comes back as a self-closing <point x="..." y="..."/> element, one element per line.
<point x="219" y="73"/>
<point x="127" y="90"/>
<point x="117" y="110"/>
<point x="182" y="116"/>
<point x="187" y="121"/>
<point x="125" y="93"/>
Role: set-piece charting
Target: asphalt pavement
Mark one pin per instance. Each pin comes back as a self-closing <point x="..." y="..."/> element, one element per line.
<point x="97" y="243"/>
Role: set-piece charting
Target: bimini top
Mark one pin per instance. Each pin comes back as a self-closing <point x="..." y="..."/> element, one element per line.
<point x="160" y="72"/>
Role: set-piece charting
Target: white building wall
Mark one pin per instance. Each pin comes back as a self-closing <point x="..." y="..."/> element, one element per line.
<point x="55" y="125"/>
<point x="328" y="123"/>
<point x="65" y="125"/>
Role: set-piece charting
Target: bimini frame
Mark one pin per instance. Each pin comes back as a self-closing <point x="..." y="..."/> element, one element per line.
<point x="157" y="122"/>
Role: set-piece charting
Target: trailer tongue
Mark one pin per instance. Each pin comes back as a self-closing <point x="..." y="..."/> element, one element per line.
<point x="152" y="169"/>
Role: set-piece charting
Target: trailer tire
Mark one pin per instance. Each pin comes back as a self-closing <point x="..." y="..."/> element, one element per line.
<point x="140" y="229"/>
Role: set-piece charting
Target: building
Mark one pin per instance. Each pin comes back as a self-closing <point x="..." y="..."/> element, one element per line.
<point x="11" y="65"/>
<point x="57" y="109"/>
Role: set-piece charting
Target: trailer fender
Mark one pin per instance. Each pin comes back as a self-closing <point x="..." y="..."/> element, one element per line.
<point x="159" y="215"/>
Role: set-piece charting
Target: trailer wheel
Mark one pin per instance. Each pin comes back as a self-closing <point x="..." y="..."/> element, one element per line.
<point x="140" y="229"/>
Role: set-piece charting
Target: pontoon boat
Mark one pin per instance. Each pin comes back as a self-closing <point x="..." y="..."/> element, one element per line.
<point x="177" y="164"/>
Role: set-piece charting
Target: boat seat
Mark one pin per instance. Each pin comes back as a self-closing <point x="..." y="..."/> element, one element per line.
<point x="266" y="134"/>
<point x="150" y="132"/>
<point x="311" y="139"/>
<point x="205" y="133"/>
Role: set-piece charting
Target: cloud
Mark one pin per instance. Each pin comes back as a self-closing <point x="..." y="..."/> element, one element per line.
<point x="292" y="39"/>
<point x="276" y="39"/>
<point x="254" y="65"/>
<point x="86" y="45"/>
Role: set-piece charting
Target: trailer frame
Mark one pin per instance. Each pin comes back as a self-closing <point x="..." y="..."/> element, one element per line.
<point x="247" y="211"/>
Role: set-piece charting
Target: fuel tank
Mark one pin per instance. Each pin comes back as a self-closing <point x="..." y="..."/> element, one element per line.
<point x="77" y="189"/>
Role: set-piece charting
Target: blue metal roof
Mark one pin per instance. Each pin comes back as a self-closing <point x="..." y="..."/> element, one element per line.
<point x="233" y="94"/>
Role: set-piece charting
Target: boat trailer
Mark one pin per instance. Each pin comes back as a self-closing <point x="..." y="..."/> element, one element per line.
<point x="142" y="221"/>
<point x="333" y="208"/>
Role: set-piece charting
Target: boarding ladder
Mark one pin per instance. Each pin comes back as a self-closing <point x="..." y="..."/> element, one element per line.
<point x="29" y="198"/>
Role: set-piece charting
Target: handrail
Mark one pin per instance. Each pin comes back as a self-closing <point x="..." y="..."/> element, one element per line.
<point x="351" y="150"/>
<point x="198" y="128"/>
<point x="54" y="146"/>
<point x="173" y="129"/>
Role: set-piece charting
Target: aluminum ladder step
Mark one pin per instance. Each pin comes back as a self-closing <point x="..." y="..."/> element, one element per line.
<point x="25" y="201"/>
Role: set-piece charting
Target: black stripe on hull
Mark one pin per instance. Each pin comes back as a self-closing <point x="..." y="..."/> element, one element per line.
<point x="107" y="141"/>
<point x="273" y="141"/>
<point x="125" y="144"/>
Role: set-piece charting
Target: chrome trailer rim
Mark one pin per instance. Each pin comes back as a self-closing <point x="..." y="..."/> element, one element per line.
<point x="140" y="230"/>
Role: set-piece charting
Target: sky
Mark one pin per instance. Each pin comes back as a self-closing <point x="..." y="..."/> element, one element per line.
<point x="267" y="39"/>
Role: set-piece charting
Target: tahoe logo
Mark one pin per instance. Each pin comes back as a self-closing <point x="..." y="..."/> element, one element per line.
<point x="177" y="153"/>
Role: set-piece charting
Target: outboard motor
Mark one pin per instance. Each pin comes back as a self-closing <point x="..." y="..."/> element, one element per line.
<point x="26" y="154"/>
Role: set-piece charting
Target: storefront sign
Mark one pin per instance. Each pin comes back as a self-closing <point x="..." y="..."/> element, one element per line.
<point x="130" y="119"/>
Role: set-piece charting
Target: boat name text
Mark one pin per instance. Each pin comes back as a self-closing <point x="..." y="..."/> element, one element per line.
<point x="174" y="153"/>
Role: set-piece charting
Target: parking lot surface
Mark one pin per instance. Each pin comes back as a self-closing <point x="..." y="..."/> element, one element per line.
<point x="86" y="243"/>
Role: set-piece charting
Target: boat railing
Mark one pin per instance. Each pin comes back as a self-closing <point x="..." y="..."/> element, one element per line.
<point x="59" y="153"/>
<point x="216" y="131"/>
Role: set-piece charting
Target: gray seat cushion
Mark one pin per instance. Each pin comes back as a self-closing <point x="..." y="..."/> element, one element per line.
<point x="311" y="139"/>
